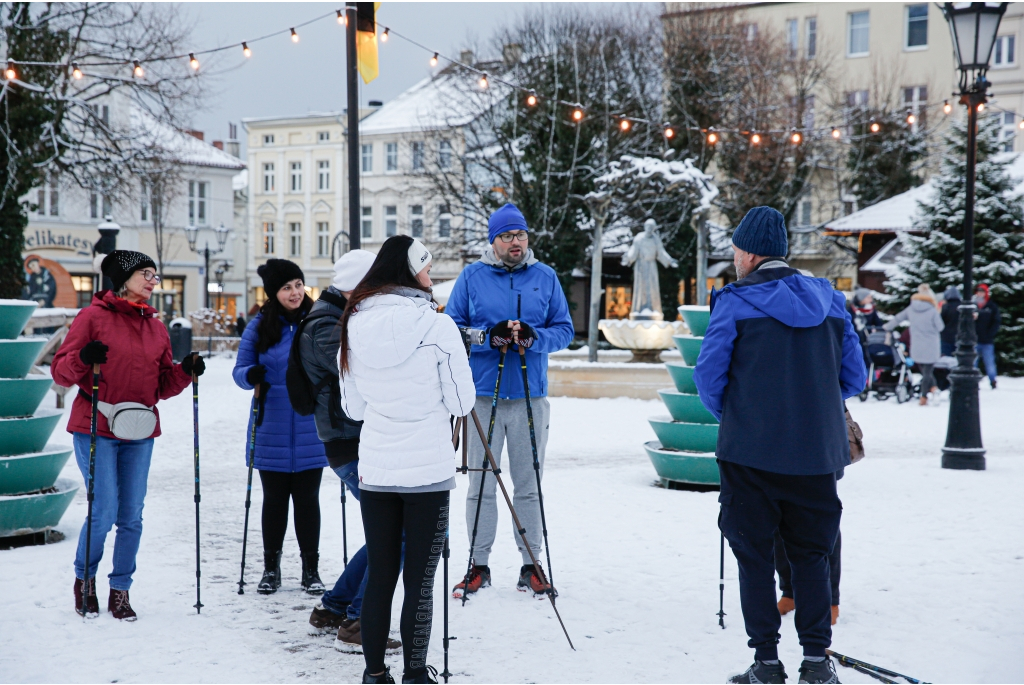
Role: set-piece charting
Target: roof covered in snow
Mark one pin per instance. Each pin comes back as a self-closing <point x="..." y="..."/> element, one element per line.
<point x="184" y="148"/>
<point x="447" y="100"/>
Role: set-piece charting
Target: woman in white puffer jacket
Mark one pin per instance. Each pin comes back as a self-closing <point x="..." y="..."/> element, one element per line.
<point x="404" y="372"/>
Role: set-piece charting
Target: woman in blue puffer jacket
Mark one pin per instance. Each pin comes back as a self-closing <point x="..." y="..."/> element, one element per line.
<point x="289" y="455"/>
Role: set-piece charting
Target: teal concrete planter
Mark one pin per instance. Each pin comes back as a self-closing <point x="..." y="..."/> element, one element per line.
<point x="690" y="437"/>
<point x="31" y="472"/>
<point x="28" y="434"/>
<point x="682" y="376"/>
<point x="24" y="514"/>
<point x="21" y="397"/>
<point x="14" y="314"/>
<point x="683" y="467"/>
<point x="17" y="356"/>
<point x="696" y="318"/>
<point x="686" y="408"/>
<point x="689" y="347"/>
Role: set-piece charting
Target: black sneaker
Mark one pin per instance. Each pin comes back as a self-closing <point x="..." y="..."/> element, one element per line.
<point x="384" y="677"/>
<point x="992" y="383"/>
<point x="324" y="621"/>
<point x="311" y="582"/>
<point x="818" y="672"/>
<point x="760" y="672"/>
<point x="425" y="675"/>
<point x="271" y="579"/>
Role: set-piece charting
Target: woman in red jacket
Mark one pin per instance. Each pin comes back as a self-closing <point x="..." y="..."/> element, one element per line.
<point x="122" y="333"/>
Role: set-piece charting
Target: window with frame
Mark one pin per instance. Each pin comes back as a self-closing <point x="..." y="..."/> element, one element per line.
<point x="391" y="156"/>
<point x="323" y="136"/>
<point x="811" y="24"/>
<point x="323" y="239"/>
<point x="94" y="209"/>
<point x="858" y="27"/>
<point x="198" y="191"/>
<point x="323" y="175"/>
<point x="750" y="32"/>
<point x="1004" y="52"/>
<point x="856" y="100"/>
<point x="1008" y="131"/>
<point x="49" y="190"/>
<point x="390" y="220"/>
<point x="294" y="239"/>
<point x="268" y="177"/>
<point x="367" y="154"/>
<point x="146" y="200"/>
<point x="268" y="139"/>
<point x="296" y="174"/>
<point x="268" y="237"/>
<point x="915" y="99"/>
<point x="444" y="221"/>
<point x="444" y="154"/>
<point x="805" y="213"/>
<point x="417" y="156"/>
<point x="108" y="208"/>
<point x="917" y="27"/>
<point x="367" y="222"/>
<point x="416" y="220"/>
<point x="83" y="285"/>
<point x="792" y="37"/>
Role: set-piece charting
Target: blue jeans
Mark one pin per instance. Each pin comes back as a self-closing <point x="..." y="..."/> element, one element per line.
<point x="947" y="349"/>
<point x="122" y="471"/>
<point x="347" y="594"/>
<point x="987" y="352"/>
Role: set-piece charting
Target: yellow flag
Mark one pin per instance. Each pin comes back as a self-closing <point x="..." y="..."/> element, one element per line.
<point x="366" y="40"/>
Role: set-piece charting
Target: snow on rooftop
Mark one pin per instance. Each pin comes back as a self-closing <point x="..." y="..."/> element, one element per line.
<point x="240" y="181"/>
<point x="439" y="102"/>
<point x="184" y="148"/>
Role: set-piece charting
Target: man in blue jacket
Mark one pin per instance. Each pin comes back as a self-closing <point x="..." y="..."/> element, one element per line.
<point x="515" y="298"/>
<point x="779" y="358"/>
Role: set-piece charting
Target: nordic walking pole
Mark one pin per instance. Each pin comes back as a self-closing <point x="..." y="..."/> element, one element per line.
<point x="89" y="486"/>
<point x="195" y="423"/>
<point x="248" y="487"/>
<point x="344" y="529"/>
<point x="445" y="554"/>
<point x="721" y="584"/>
<point x="851" y="662"/>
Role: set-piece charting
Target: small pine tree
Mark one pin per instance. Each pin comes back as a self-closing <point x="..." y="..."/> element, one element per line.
<point x="885" y="163"/>
<point x="937" y="257"/>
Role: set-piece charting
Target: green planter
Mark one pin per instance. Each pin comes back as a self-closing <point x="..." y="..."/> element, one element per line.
<point x="21" y="397"/>
<point x="14" y="314"/>
<point x="690" y="437"/>
<point x="682" y="376"/>
<point x="17" y="356"/>
<point x="696" y="318"/>
<point x="29" y="434"/>
<point x="686" y="408"/>
<point x="31" y="472"/>
<point x="683" y="467"/>
<point x="689" y="347"/>
<point x="24" y="514"/>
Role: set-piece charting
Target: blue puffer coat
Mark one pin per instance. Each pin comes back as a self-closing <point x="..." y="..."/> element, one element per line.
<point x="285" y="441"/>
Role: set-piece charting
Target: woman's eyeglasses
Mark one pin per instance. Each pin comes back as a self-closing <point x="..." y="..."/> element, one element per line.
<point x="521" y="236"/>
<point x="150" y="276"/>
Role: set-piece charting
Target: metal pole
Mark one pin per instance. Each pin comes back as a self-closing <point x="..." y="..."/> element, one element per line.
<point x="206" y="277"/>
<point x="353" y="129"/>
<point x="599" y="211"/>
<point x="702" y="258"/>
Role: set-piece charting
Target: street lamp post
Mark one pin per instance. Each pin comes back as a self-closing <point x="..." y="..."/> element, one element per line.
<point x="973" y="27"/>
<point x="192" y="233"/>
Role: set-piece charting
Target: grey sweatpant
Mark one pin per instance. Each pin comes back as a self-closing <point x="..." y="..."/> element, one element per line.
<point x="510" y="424"/>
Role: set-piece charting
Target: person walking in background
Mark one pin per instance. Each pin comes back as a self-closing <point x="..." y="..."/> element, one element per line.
<point x="925" y="328"/>
<point x="987" y="326"/>
<point x="288" y="455"/>
<point x="863" y="310"/>
<point x="950" y="313"/>
<point x="124" y="335"/>
<point x="779" y="358"/>
<point x="487" y="296"/>
<point x="404" y="372"/>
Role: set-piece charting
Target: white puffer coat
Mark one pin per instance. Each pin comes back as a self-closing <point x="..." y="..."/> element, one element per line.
<point x="407" y="373"/>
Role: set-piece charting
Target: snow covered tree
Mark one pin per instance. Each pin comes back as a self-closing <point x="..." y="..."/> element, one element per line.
<point x="886" y="162"/>
<point x="936" y="258"/>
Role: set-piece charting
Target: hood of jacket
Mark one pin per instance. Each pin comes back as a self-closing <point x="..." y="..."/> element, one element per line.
<point x="787" y="296"/>
<point x="386" y="329"/>
<point x="491" y="259"/>
<point x="921" y="303"/>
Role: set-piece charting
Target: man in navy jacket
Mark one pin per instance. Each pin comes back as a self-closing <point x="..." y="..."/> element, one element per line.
<point x="779" y="358"/>
<point x="515" y="298"/>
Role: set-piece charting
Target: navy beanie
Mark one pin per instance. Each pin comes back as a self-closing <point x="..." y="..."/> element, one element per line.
<point x="508" y="218"/>
<point x="762" y="232"/>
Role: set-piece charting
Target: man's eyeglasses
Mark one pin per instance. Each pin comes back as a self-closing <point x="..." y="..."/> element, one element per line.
<point x="150" y="276"/>
<point x="521" y="236"/>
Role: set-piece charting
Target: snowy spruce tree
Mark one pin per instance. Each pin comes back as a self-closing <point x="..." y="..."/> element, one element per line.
<point x="936" y="258"/>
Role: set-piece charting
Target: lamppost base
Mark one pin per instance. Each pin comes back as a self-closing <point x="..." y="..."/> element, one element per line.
<point x="963" y="459"/>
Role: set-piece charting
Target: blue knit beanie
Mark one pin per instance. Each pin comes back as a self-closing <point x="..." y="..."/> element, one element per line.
<point x="508" y="218"/>
<point x="762" y="232"/>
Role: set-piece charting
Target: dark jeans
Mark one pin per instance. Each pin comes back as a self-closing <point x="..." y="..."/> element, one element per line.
<point x="947" y="348"/>
<point x="785" y="572"/>
<point x="423" y="518"/>
<point x="806" y="511"/>
<point x="303" y="489"/>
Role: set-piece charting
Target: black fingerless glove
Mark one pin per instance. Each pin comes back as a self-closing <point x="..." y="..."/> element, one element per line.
<point x="256" y="374"/>
<point x="500" y="335"/>
<point x="94" y="352"/>
<point x="527" y="336"/>
<point x="193" y="364"/>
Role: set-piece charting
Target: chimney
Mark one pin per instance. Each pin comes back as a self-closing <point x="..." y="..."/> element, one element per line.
<point x="194" y="134"/>
<point x="466" y="57"/>
<point x="219" y="144"/>
<point x="511" y="54"/>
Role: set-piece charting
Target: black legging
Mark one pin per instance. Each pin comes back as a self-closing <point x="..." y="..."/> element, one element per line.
<point x="423" y="516"/>
<point x="303" y="487"/>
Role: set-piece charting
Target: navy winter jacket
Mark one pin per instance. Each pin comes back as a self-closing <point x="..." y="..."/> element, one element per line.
<point x="779" y="358"/>
<point x="285" y="441"/>
<point x="487" y="294"/>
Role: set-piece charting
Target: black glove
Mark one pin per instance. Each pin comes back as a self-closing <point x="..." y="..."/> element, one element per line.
<point x="527" y="336"/>
<point x="256" y="374"/>
<point x="193" y="364"/>
<point x="94" y="352"/>
<point x="500" y="335"/>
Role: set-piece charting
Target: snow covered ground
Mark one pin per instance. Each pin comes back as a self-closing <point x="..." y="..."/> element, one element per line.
<point x="932" y="566"/>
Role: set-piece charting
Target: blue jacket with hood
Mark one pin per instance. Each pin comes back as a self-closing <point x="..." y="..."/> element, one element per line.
<point x="779" y="358"/>
<point x="487" y="293"/>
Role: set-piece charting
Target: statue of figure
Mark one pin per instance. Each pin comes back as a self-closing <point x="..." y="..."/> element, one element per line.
<point x="643" y="255"/>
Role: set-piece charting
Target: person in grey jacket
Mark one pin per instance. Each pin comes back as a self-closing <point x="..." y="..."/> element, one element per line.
<point x="925" y="327"/>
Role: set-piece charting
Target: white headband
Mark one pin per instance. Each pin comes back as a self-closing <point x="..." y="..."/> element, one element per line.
<point x="419" y="257"/>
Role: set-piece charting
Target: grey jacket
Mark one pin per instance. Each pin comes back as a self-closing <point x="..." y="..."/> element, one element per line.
<point x="925" y="326"/>
<point x="318" y="349"/>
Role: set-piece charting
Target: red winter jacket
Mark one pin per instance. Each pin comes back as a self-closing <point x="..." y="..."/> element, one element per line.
<point x="139" y="366"/>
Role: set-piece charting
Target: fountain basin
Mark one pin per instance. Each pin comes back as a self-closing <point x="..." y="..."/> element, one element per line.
<point x="27" y="434"/>
<point x="682" y="376"/>
<point x="690" y="437"/>
<point x="31" y="472"/>
<point x="686" y="408"/>
<point x="21" y="396"/>
<point x="689" y="347"/>
<point x="17" y="356"/>
<point x="683" y="467"/>
<point x="696" y="318"/>
<point x="34" y="513"/>
<point x="14" y="314"/>
<point x="640" y="335"/>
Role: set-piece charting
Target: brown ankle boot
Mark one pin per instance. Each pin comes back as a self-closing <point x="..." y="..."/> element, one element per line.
<point x="119" y="606"/>
<point x="92" y="604"/>
<point x="786" y="605"/>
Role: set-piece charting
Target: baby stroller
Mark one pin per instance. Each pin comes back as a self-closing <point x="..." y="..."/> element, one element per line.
<point x="888" y="370"/>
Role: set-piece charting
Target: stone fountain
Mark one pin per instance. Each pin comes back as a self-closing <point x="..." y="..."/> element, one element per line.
<point x="32" y="498"/>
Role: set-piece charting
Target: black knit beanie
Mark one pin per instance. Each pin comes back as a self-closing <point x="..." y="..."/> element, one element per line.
<point x="276" y="272"/>
<point x="119" y="266"/>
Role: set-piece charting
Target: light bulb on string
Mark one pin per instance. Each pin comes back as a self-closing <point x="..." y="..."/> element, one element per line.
<point x="1021" y="124"/>
<point x="295" y="36"/>
<point x="75" y="71"/>
<point x="9" y="73"/>
<point x="137" y="70"/>
<point x="193" y="62"/>
<point x="796" y="138"/>
<point x="981" y="106"/>
<point x="835" y="133"/>
<point x="246" y="51"/>
<point x="755" y="139"/>
<point x="384" y="36"/>
<point x="712" y="138"/>
<point x="669" y="132"/>
<point x="342" y="19"/>
<point x="946" y="107"/>
<point x="577" y="114"/>
<point x="624" y="125"/>
<point x="433" y="60"/>
<point x="875" y="127"/>
<point x="911" y="119"/>
<point x="531" y="100"/>
<point x="483" y="82"/>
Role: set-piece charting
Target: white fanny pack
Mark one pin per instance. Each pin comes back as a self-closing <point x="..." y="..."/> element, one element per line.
<point x="128" y="420"/>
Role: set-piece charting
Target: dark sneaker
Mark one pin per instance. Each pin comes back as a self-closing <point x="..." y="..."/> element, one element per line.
<point x="271" y="579"/>
<point x="479" y="577"/>
<point x="384" y="677"/>
<point x="119" y="606"/>
<point x="818" y="672"/>
<point x="350" y="639"/>
<point x="424" y="675"/>
<point x="529" y="580"/>
<point x="311" y="582"/>
<point x="92" y="604"/>
<point x="760" y="672"/>
<point x="324" y="620"/>
<point x="992" y="383"/>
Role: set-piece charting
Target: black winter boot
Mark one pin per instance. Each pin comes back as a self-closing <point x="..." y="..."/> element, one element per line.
<point x="271" y="573"/>
<point x="818" y="672"/>
<point x="384" y="677"/>
<point x="311" y="582"/>
<point x="760" y="672"/>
